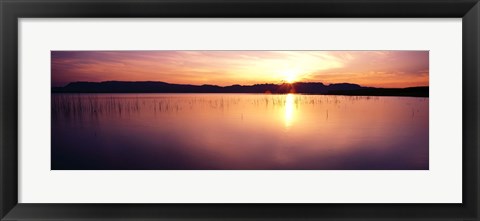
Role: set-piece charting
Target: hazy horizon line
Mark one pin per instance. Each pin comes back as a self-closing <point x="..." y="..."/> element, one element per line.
<point x="280" y="83"/>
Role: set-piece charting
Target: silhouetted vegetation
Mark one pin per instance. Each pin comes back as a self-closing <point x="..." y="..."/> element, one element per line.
<point x="403" y="92"/>
<point x="300" y="87"/>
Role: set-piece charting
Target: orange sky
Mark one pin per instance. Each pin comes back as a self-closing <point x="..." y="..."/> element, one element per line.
<point x="368" y="68"/>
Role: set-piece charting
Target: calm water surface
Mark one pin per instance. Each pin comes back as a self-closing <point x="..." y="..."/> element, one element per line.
<point x="238" y="131"/>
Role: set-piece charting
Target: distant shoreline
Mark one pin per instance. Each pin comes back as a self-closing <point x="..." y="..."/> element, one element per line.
<point x="348" y="95"/>
<point x="346" y="89"/>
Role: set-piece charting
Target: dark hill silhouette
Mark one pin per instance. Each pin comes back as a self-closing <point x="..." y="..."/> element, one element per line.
<point x="299" y="87"/>
<point x="406" y="92"/>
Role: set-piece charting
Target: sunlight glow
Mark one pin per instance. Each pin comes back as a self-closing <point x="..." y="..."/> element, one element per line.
<point x="225" y="68"/>
<point x="290" y="76"/>
<point x="289" y="110"/>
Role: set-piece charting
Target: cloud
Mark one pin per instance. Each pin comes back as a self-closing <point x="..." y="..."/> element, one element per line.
<point x="240" y="67"/>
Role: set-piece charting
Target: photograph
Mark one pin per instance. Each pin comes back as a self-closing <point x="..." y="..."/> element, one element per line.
<point x="239" y="110"/>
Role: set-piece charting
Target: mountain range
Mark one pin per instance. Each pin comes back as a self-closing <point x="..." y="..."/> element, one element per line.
<point x="283" y="88"/>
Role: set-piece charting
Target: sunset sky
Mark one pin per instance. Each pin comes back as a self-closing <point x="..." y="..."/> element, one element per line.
<point x="394" y="69"/>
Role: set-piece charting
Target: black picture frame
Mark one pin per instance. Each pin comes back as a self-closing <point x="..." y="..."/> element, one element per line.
<point x="12" y="10"/>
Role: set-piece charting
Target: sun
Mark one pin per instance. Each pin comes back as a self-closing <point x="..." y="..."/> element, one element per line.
<point x="290" y="76"/>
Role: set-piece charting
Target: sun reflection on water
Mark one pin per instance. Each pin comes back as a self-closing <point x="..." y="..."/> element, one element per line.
<point x="289" y="110"/>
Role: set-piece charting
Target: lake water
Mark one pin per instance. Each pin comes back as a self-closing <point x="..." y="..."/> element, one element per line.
<point x="238" y="131"/>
